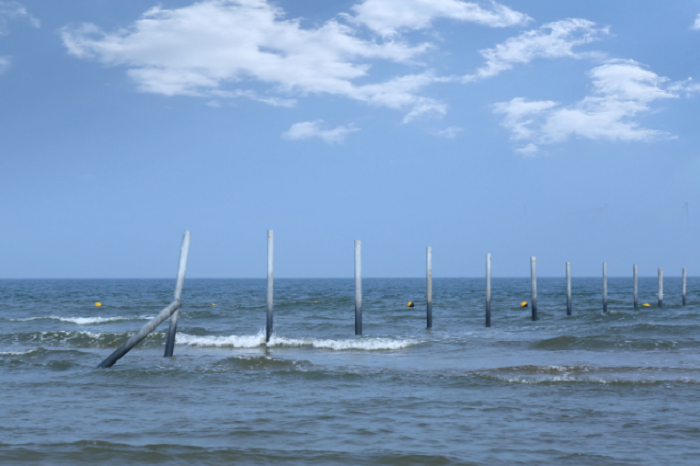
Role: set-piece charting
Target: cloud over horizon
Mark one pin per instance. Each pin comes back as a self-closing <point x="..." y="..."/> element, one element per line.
<point x="622" y="90"/>
<point x="11" y="10"/>
<point x="388" y="17"/>
<point x="222" y="48"/>
<point x="552" y="40"/>
<point x="378" y="54"/>
<point x="313" y="129"/>
<point x="206" y="48"/>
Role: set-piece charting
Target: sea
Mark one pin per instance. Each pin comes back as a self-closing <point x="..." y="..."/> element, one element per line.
<point x="593" y="388"/>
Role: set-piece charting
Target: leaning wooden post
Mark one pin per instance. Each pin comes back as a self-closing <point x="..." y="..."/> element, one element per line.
<point x="179" y="284"/>
<point x="568" y="288"/>
<point x="661" y="287"/>
<point x="429" y="286"/>
<point x="533" y="286"/>
<point x="358" y="287"/>
<point x="683" y="286"/>
<point x="605" y="287"/>
<point x="162" y="315"/>
<point x="269" y="326"/>
<point x="488" y="290"/>
<point x="634" y="274"/>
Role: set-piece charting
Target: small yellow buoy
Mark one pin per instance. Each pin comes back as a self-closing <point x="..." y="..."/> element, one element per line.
<point x="410" y="304"/>
<point x="646" y="305"/>
<point x="523" y="304"/>
<point x="98" y="304"/>
<point x="213" y="304"/>
<point x="316" y="302"/>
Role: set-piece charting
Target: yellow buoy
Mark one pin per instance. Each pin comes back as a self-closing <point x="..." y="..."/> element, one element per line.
<point x="98" y="304"/>
<point x="316" y="302"/>
<point x="410" y="304"/>
<point x="523" y="304"/>
<point x="646" y="305"/>
<point x="213" y="304"/>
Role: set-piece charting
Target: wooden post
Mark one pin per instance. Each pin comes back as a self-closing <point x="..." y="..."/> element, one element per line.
<point x="168" y="311"/>
<point x="269" y="325"/>
<point x="605" y="287"/>
<point x="533" y="286"/>
<point x="358" y="287"/>
<point x="488" y="290"/>
<point x="429" y="286"/>
<point x="568" y="288"/>
<point x="684" y="286"/>
<point x="661" y="287"/>
<point x="179" y="284"/>
<point x="634" y="275"/>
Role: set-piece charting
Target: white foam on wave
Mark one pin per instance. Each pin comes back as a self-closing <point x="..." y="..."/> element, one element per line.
<point x="368" y="344"/>
<point x="234" y="341"/>
<point x="75" y="320"/>
<point x="253" y="341"/>
<point x="566" y="378"/>
<point x="15" y="353"/>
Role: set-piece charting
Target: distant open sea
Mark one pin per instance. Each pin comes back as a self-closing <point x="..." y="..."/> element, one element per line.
<point x="621" y="388"/>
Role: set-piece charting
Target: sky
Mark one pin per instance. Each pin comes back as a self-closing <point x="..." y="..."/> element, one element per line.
<point x="568" y="131"/>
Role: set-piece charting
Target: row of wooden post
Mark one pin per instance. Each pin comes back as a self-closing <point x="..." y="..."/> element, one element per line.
<point x="533" y="286"/>
<point x="429" y="288"/>
<point x="269" y="328"/>
<point x="171" y="311"/>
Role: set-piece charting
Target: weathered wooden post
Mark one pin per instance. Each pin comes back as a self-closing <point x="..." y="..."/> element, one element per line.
<point x="661" y="287"/>
<point x="168" y="311"/>
<point x="533" y="286"/>
<point x="179" y="284"/>
<point x="634" y="274"/>
<point x="488" y="290"/>
<point x="568" y="288"/>
<point x="358" y="287"/>
<point x="605" y="287"/>
<point x="683" y="286"/>
<point x="429" y="286"/>
<point x="269" y="326"/>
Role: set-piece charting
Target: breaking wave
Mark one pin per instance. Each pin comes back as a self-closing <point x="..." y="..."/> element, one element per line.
<point x="80" y="320"/>
<point x="590" y="375"/>
<point x="254" y="341"/>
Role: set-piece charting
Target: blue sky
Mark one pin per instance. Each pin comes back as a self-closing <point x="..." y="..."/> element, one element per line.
<point x="565" y="130"/>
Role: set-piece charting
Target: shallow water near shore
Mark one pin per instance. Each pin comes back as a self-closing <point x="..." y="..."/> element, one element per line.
<point x="621" y="388"/>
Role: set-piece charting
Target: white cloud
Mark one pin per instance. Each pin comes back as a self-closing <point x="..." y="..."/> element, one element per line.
<point x="622" y="91"/>
<point x="553" y="40"/>
<point x="449" y="133"/>
<point x="387" y="17"/>
<point x="312" y="129"/>
<point x="10" y="10"/>
<point x="696" y="24"/>
<point x="5" y="63"/>
<point x="217" y="47"/>
<point x="529" y="150"/>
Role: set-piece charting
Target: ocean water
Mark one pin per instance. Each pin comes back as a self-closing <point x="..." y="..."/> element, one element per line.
<point x="621" y="388"/>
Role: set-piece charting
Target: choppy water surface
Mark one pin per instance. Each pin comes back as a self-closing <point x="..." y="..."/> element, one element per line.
<point x="602" y="389"/>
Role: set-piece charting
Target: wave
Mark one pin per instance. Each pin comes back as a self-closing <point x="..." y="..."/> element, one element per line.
<point x="57" y="360"/>
<point x="79" y="320"/>
<point x="254" y="341"/>
<point x="179" y="454"/>
<point x="81" y="339"/>
<point x="369" y="344"/>
<point x="16" y="353"/>
<point x="590" y="375"/>
<point x="261" y="363"/>
<point x="611" y="342"/>
<point x="85" y="339"/>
